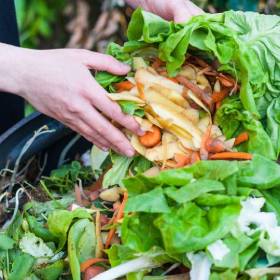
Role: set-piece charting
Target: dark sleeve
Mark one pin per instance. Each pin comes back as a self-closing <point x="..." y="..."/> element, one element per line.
<point x="11" y="106"/>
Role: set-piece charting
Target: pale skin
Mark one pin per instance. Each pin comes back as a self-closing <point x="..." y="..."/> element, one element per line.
<point x="59" y="84"/>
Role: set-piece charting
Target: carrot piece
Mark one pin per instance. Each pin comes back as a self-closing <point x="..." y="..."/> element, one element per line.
<point x="232" y="155"/>
<point x="123" y="86"/>
<point x="215" y="146"/>
<point x="151" y="138"/>
<point x="84" y="265"/>
<point x="140" y="88"/>
<point x="219" y="96"/>
<point x="116" y="219"/>
<point x="226" y="80"/>
<point x="182" y="160"/>
<point x="242" y="137"/>
<point x="201" y="94"/>
<point x="204" y="140"/>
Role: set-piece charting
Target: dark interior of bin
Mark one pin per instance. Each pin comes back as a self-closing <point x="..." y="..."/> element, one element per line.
<point x="49" y="147"/>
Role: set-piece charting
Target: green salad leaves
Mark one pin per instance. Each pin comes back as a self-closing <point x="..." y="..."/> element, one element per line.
<point x="208" y="212"/>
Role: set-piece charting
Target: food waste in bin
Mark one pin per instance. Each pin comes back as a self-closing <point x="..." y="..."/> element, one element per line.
<point x="200" y="199"/>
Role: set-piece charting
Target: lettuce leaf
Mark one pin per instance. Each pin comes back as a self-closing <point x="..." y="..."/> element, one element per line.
<point x="136" y="229"/>
<point x="273" y="123"/>
<point x="233" y="119"/>
<point x="260" y="173"/>
<point x="153" y="201"/>
<point x="193" y="190"/>
<point x="131" y="108"/>
<point x="190" y="228"/>
<point x="118" y="172"/>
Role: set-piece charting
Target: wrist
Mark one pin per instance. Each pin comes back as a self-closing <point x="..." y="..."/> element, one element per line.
<point x="10" y="73"/>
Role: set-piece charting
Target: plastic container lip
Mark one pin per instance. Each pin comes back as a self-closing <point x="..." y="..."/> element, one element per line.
<point x="13" y="140"/>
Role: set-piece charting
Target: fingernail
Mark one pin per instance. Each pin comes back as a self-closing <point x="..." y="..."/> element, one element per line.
<point x="126" y="67"/>
<point x="104" y="149"/>
<point x="129" y="153"/>
<point x="140" y="132"/>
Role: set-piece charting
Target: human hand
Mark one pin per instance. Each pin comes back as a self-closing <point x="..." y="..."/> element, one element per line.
<point x="59" y="84"/>
<point x="177" y="10"/>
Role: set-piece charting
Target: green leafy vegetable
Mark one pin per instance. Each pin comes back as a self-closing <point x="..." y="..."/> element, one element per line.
<point x="131" y="108"/>
<point x="22" y="266"/>
<point x="134" y="232"/>
<point x="6" y="242"/>
<point x="273" y="123"/>
<point x="150" y="202"/>
<point x="81" y="245"/>
<point x="193" y="190"/>
<point x="260" y="172"/>
<point x="65" y="218"/>
<point x="190" y="228"/>
<point x="52" y="271"/>
<point x="39" y="230"/>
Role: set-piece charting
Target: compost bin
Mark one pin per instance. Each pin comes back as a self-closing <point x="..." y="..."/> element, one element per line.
<point x="57" y="146"/>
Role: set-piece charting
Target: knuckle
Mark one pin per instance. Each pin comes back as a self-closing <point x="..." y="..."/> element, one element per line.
<point x="133" y="125"/>
<point x="73" y="108"/>
<point x="116" y="113"/>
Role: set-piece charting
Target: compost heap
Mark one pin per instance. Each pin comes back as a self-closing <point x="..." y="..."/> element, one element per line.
<point x="200" y="200"/>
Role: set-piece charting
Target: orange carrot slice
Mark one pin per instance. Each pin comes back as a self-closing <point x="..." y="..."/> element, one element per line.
<point x="232" y="155"/>
<point x="123" y="86"/>
<point x="151" y="138"/>
<point x="215" y="146"/>
<point x="219" y="96"/>
<point x="119" y="215"/>
<point x="241" y="138"/>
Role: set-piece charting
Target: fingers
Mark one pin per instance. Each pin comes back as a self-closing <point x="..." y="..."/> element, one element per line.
<point x="103" y="62"/>
<point x="91" y="135"/>
<point x="115" y="137"/>
<point x="186" y="11"/>
<point x="111" y="109"/>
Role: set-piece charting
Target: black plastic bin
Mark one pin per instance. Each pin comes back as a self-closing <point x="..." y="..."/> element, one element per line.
<point x="61" y="141"/>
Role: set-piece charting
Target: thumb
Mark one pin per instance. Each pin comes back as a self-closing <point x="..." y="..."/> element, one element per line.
<point x="104" y="62"/>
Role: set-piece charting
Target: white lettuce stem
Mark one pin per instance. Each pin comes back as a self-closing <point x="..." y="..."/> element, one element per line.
<point x="125" y="268"/>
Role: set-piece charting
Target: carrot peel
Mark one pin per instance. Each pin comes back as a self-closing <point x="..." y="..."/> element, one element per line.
<point x="231" y="155"/>
<point x="241" y="138"/>
<point x="119" y="215"/>
<point x="123" y="86"/>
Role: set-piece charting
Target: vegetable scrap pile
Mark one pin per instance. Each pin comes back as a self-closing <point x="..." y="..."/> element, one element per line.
<point x="201" y="198"/>
<point x="178" y="112"/>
